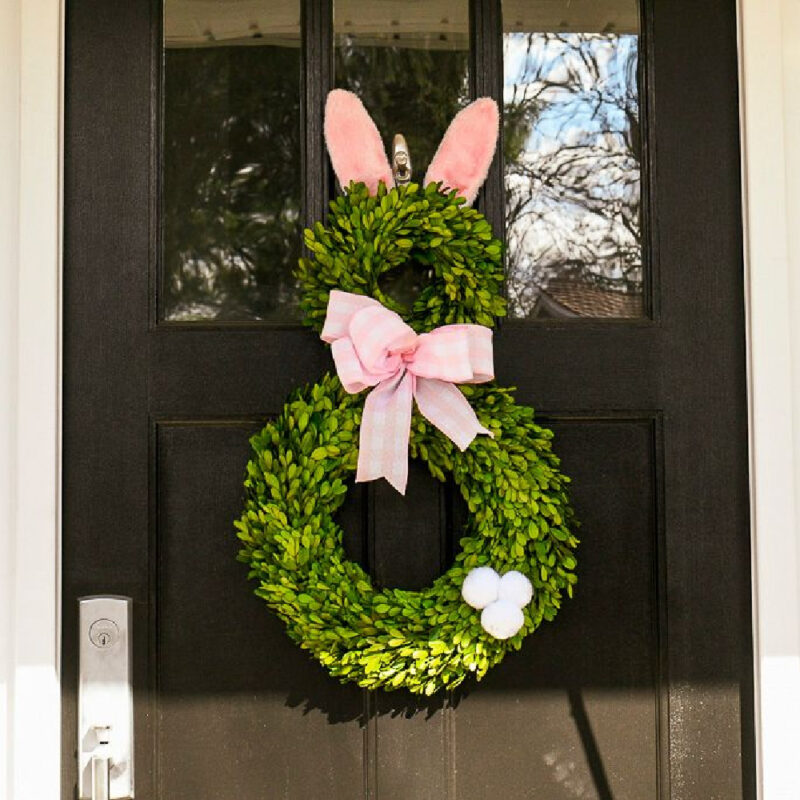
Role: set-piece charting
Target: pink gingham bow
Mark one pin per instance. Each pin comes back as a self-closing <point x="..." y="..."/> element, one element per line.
<point x="372" y="346"/>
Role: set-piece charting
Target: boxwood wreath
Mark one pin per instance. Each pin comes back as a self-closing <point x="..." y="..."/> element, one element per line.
<point x="368" y="236"/>
<point x="520" y="517"/>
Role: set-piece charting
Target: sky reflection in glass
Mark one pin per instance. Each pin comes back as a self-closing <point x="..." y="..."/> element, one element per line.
<point x="572" y="174"/>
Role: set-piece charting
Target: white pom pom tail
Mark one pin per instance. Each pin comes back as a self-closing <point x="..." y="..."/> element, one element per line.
<point x="515" y="588"/>
<point x="480" y="587"/>
<point x="502" y="619"/>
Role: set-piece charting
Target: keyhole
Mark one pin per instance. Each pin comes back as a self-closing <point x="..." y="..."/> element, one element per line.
<point x="103" y="633"/>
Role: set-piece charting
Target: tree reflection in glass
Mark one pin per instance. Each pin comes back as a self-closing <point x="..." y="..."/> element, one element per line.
<point x="572" y="174"/>
<point x="409" y="64"/>
<point x="231" y="178"/>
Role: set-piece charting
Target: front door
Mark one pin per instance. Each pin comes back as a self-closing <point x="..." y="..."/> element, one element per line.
<point x="194" y="157"/>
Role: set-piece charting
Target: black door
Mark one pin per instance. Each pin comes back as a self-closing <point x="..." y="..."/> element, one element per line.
<point x="194" y="155"/>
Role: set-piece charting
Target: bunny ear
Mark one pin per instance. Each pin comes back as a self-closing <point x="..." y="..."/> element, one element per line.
<point x="354" y="143"/>
<point x="466" y="151"/>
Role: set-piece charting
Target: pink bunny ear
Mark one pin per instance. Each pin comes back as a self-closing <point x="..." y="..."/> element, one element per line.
<point x="354" y="143"/>
<point x="466" y="151"/>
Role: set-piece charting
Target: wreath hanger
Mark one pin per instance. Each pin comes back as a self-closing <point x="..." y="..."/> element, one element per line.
<point x="401" y="161"/>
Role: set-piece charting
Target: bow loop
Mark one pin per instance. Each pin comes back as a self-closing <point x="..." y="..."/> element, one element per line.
<point x="456" y="353"/>
<point x="372" y="346"/>
<point x="380" y="338"/>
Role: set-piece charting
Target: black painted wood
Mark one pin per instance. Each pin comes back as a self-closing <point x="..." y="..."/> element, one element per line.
<point x="576" y="711"/>
<point x="486" y="80"/>
<point x="643" y="686"/>
<point x="317" y="81"/>
<point x="220" y="698"/>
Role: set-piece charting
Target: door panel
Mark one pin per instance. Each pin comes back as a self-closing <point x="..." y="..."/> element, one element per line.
<point x="577" y="712"/>
<point x="220" y="708"/>
<point x="641" y="688"/>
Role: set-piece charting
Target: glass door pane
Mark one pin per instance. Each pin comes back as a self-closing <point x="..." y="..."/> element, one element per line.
<point x="573" y="159"/>
<point x="409" y="64"/>
<point x="231" y="231"/>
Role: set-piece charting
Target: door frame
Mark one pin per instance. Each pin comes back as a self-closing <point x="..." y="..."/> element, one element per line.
<point x="769" y="60"/>
<point x="31" y="57"/>
<point x="31" y="113"/>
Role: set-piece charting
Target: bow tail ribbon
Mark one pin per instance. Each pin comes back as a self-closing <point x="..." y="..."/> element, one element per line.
<point x="385" y="428"/>
<point x="386" y="424"/>
<point x="442" y="404"/>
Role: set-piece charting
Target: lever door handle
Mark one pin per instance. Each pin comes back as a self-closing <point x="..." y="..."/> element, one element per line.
<point x="101" y="779"/>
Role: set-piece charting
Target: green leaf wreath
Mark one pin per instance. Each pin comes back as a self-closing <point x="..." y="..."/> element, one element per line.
<point x="368" y="236"/>
<point x="520" y="517"/>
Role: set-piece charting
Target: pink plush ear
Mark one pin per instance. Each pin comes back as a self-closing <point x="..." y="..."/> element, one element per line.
<point x="354" y="143"/>
<point x="466" y="151"/>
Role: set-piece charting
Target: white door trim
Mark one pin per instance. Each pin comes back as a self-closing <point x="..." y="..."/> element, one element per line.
<point x="31" y="37"/>
<point x="770" y="94"/>
<point x="30" y="236"/>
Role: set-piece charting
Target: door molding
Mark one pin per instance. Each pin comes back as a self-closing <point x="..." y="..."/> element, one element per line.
<point x="30" y="384"/>
<point x="30" y="232"/>
<point x="769" y="58"/>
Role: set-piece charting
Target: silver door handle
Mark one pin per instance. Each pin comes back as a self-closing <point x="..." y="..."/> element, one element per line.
<point x="101" y="780"/>
<point x="105" y="699"/>
<point x="101" y="764"/>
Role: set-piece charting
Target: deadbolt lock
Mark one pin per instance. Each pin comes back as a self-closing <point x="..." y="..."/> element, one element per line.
<point x="104" y="633"/>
